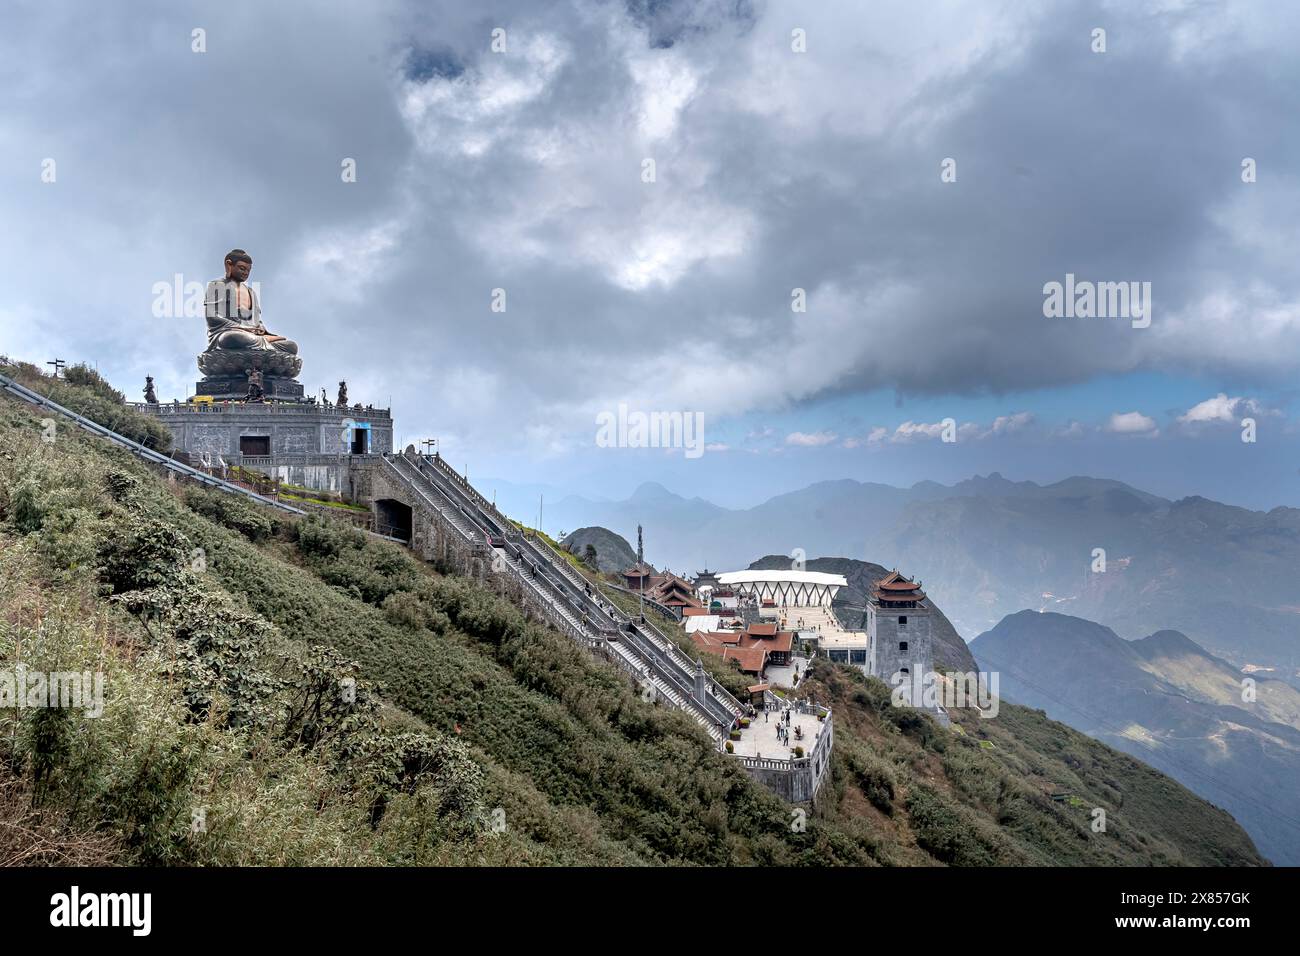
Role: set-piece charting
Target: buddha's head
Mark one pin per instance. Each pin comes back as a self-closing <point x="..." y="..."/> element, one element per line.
<point x="238" y="265"/>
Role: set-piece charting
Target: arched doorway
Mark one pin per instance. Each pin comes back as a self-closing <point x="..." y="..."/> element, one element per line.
<point x="393" y="518"/>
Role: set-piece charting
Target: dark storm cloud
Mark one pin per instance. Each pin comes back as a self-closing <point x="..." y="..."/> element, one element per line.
<point x="774" y="170"/>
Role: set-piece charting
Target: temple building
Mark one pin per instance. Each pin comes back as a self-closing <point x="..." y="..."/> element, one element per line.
<point x="752" y="648"/>
<point x="900" y="642"/>
<point x="638" y="576"/>
<point x="249" y="409"/>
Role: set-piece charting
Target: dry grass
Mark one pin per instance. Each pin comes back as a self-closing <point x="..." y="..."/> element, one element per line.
<point x="32" y="837"/>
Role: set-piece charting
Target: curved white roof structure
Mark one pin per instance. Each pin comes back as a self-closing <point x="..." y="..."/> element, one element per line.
<point x="788" y="587"/>
<point x="801" y="577"/>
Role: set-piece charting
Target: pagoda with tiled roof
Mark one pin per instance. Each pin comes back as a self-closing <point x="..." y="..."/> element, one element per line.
<point x="895" y="591"/>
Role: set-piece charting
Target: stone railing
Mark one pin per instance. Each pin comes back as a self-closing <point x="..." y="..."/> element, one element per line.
<point x="664" y="610"/>
<point x="447" y="471"/>
<point x="272" y="407"/>
<point x="796" y="779"/>
<point x="770" y="763"/>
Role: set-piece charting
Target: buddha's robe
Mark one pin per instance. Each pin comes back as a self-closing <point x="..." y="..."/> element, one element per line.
<point x="232" y="327"/>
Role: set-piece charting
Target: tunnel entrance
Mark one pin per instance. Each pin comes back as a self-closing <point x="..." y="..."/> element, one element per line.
<point x="393" y="518"/>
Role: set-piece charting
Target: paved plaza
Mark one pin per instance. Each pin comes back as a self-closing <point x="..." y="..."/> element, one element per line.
<point x="759" y="738"/>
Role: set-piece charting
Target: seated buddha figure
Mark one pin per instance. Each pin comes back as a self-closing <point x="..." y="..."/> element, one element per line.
<point x="237" y="339"/>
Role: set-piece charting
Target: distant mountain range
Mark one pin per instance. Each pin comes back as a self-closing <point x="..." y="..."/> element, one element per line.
<point x="1227" y="577"/>
<point x="1167" y="701"/>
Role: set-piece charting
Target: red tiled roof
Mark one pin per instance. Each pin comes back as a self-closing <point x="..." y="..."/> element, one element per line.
<point x="777" y="643"/>
<point x="763" y="629"/>
<point x="694" y="612"/>
<point x="715" y="639"/>
<point x="895" y="587"/>
<point x="751" y="660"/>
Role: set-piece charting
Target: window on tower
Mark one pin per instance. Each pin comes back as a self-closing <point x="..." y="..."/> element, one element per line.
<point x="902" y="621"/>
<point x="902" y="645"/>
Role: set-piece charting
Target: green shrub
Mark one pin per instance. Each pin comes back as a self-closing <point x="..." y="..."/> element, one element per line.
<point x="234" y="512"/>
<point x="84" y="391"/>
<point x="949" y="832"/>
<point x="142" y="559"/>
<point x="873" y="775"/>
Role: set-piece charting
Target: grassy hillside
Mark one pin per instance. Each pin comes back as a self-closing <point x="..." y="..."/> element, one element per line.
<point x="284" y="691"/>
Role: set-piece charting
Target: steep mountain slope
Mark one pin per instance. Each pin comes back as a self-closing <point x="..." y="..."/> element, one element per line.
<point x="1014" y="789"/>
<point x="312" y="695"/>
<point x="1168" y="702"/>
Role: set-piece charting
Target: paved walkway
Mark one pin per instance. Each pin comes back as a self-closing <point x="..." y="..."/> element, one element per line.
<point x="782" y="675"/>
<point x="821" y="624"/>
<point x="759" y="738"/>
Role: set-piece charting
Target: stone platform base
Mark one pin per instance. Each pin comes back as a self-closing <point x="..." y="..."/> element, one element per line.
<point x="297" y="442"/>
<point x="236" y="387"/>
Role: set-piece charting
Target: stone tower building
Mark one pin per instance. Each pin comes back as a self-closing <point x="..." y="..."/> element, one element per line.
<point x="899" y="638"/>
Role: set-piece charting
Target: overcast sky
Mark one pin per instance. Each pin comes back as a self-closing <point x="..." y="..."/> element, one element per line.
<point x="775" y="169"/>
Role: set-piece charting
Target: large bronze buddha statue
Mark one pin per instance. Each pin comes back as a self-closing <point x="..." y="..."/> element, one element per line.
<point x="237" y="339"/>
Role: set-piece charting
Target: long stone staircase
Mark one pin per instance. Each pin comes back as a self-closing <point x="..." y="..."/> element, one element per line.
<point x="566" y="598"/>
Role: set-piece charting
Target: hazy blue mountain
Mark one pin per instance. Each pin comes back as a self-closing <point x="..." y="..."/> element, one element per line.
<point x="1167" y="701"/>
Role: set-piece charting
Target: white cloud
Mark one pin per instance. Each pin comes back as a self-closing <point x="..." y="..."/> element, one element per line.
<point x="666" y="83"/>
<point x="1221" y="408"/>
<point x="1007" y="424"/>
<point x="810" y="440"/>
<point x="470" y="113"/>
<point x="1132" y="423"/>
<point x="915" y="431"/>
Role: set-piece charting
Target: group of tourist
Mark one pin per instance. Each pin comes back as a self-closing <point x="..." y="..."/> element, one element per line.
<point x="783" y="728"/>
